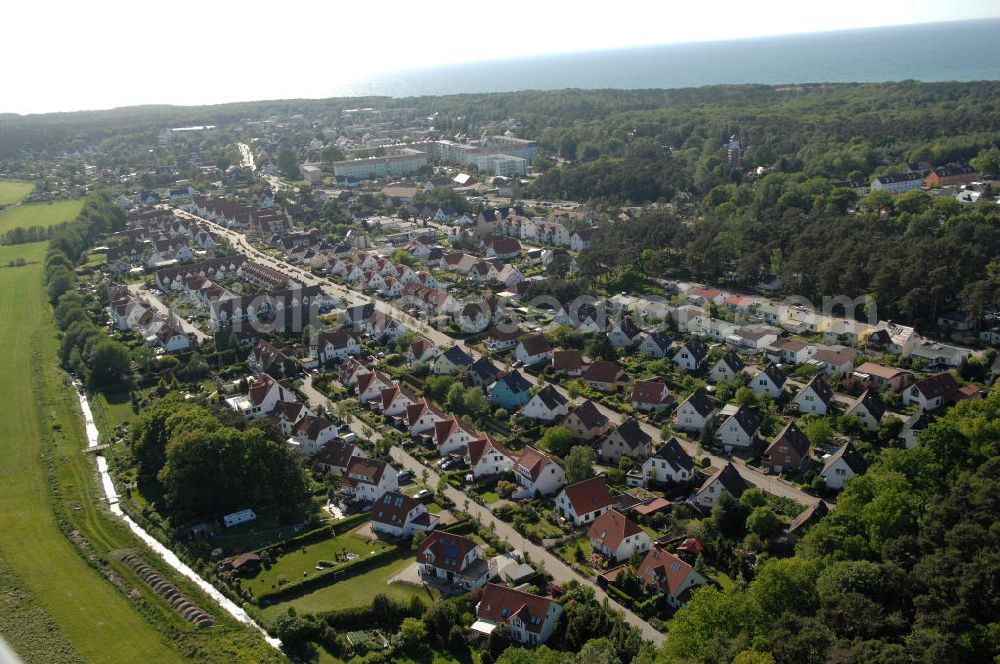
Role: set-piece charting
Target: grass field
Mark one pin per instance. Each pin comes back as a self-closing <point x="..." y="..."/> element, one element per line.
<point x="354" y="591"/>
<point x="92" y="613"/>
<point x="12" y="192"/>
<point x="51" y="588"/>
<point x="39" y="214"/>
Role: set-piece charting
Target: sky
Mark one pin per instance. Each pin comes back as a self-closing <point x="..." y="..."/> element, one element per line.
<point x="69" y="55"/>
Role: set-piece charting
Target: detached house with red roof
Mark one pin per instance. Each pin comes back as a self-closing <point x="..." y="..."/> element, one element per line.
<point x="616" y="537"/>
<point x="932" y="392"/>
<point x="455" y="560"/>
<point x="486" y="458"/>
<point x="422" y="416"/>
<point x="370" y="386"/>
<point x="397" y="515"/>
<point x="396" y="399"/>
<point x="670" y="575"/>
<point x="650" y="395"/>
<point x="262" y="397"/>
<point x="537" y="473"/>
<point x="453" y="435"/>
<point x="367" y="480"/>
<point x="584" y="501"/>
<point x="530" y="619"/>
<point x="311" y="433"/>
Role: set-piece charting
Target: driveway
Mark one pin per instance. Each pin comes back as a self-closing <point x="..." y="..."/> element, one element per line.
<point x="156" y="303"/>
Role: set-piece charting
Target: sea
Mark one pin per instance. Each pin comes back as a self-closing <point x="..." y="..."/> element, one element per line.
<point x="953" y="51"/>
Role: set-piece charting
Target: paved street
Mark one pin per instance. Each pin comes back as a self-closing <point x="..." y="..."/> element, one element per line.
<point x="769" y="483"/>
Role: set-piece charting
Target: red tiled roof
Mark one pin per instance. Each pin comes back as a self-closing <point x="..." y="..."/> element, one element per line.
<point x="589" y="495"/>
<point x="499" y="604"/>
<point x="446" y="551"/>
<point x="611" y="529"/>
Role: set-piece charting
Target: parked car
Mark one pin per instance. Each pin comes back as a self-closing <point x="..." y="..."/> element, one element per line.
<point x="405" y="476"/>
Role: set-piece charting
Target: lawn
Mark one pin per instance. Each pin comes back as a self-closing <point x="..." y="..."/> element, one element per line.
<point x="39" y="214"/>
<point x="304" y="561"/>
<point x="11" y="191"/>
<point x="354" y="591"/>
<point x="48" y="588"/>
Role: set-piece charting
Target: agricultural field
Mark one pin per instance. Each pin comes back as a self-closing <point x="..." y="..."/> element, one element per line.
<point x="11" y="192"/>
<point x="55" y="603"/>
<point x="54" y="579"/>
<point x="39" y="214"/>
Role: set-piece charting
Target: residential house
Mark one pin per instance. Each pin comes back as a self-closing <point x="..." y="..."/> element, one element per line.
<point x="754" y="337"/>
<point x="846" y="332"/>
<point x="334" y="346"/>
<point x="912" y="428"/>
<point x="932" y="392"/>
<point x="397" y="515"/>
<point x="691" y="355"/>
<point x="940" y="355"/>
<point x="580" y="240"/>
<point x="367" y="480"/>
<point x="739" y="430"/>
<point x="882" y="377"/>
<point x="421" y="351"/>
<point x="568" y="362"/>
<point x="483" y="373"/>
<point x="452" y="361"/>
<point x="726" y="480"/>
<point x="789" y="351"/>
<point x="474" y="317"/>
<point x="616" y="537"/>
<point x="868" y="408"/>
<point x="310" y="434"/>
<point x="657" y="344"/>
<point x="286" y="414"/>
<point x="816" y="397"/>
<point x="727" y="368"/>
<point x="533" y="349"/>
<point x="455" y="560"/>
<point x="603" y="376"/>
<point x="370" y="386"/>
<point x="452" y="435"/>
<point x="486" y="458"/>
<point x="769" y="381"/>
<point x="501" y="339"/>
<point x="335" y="456"/>
<point x="584" y="501"/>
<point x="511" y="391"/>
<point x="670" y="575"/>
<point x="694" y="413"/>
<point x="834" y="361"/>
<point x="530" y="619"/>
<point x="547" y="405"/>
<point x="262" y="397"/>
<point x="396" y="399"/>
<point x="422" y="417"/>
<point x="627" y="440"/>
<point x="891" y="337"/>
<point x="670" y="464"/>
<point x="587" y="422"/>
<point x="624" y="333"/>
<point x="789" y="453"/>
<point x="650" y="395"/>
<point x="843" y="464"/>
<point x="537" y="473"/>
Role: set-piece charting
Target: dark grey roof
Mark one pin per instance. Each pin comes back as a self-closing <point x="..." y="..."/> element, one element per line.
<point x="747" y="420"/>
<point x="808" y="516"/>
<point x="672" y="452"/>
<point x="485" y="369"/>
<point x="821" y="389"/>
<point x="792" y="436"/>
<point x="851" y="456"/>
<point x="899" y="177"/>
<point x="733" y="361"/>
<point x="515" y="381"/>
<point x="632" y="434"/>
<point x="701" y="403"/>
<point x="457" y="356"/>
<point x="872" y="403"/>
<point x="697" y="348"/>
<point x="776" y="375"/>
<point x="551" y="398"/>
<point x="730" y="479"/>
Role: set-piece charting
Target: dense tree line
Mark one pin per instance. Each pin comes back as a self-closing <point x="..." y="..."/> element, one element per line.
<point x="913" y="252"/>
<point x="904" y="569"/>
<point x="85" y="348"/>
<point x="207" y="465"/>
